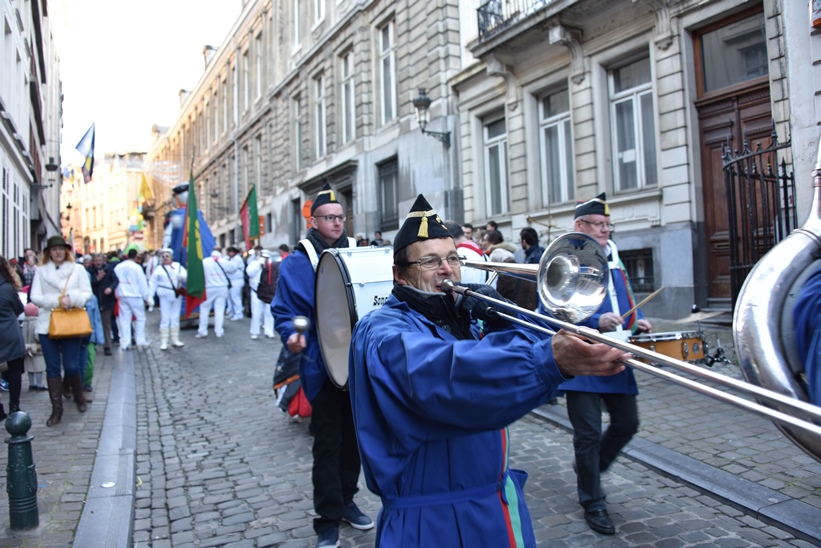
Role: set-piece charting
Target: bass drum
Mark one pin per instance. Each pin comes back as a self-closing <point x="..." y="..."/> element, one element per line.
<point x="350" y="282"/>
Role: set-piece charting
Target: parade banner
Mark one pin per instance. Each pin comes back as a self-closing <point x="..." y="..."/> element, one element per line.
<point x="86" y="148"/>
<point x="250" y="218"/>
<point x="195" y="285"/>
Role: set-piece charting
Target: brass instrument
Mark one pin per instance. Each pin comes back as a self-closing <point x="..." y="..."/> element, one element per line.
<point x="571" y="280"/>
<point x="763" y="321"/>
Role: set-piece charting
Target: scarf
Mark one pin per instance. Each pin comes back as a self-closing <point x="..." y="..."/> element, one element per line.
<point x="439" y="308"/>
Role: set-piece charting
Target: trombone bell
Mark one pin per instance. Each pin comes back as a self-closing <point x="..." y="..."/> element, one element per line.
<point x="571" y="277"/>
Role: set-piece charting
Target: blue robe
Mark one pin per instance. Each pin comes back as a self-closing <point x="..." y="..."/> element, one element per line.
<point x="620" y="383"/>
<point x="295" y="297"/>
<point x="431" y="415"/>
<point x="807" y="316"/>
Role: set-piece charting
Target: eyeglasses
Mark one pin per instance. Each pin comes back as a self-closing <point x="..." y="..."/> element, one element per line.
<point x="433" y="262"/>
<point x="598" y="225"/>
<point x="332" y="218"/>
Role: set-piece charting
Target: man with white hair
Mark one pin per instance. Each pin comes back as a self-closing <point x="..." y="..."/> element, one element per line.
<point x="216" y="293"/>
<point x="261" y="310"/>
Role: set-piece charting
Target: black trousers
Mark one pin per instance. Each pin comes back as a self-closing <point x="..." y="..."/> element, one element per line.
<point x="14" y="376"/>
<point x="595" y="452"/>
<point x="336" y="455"/>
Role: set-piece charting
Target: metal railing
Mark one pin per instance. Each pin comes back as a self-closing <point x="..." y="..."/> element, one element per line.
<point x="760" y="202"/>
<point x="496" y="15"/>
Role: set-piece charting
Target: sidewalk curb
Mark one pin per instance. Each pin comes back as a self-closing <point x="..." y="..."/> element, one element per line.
<point x="771" y="507"/>
<point x="108" y="513"/>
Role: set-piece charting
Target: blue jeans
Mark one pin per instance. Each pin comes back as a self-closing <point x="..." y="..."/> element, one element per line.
<point x="596" y="452"/>
<point x="67" y="350"/>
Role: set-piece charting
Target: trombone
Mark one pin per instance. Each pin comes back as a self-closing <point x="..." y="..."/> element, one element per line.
<point x="571" y="280"/>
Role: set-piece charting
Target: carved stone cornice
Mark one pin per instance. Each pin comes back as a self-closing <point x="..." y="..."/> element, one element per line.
<point x="496" y="67"/>
<point x="665" y="31"/>
<point x="571" y="38"/>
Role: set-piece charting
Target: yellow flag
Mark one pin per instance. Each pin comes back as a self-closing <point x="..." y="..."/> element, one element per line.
<point x="145" y="189"/>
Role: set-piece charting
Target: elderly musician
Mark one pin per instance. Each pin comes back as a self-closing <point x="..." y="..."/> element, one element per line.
<point x="432" y="399"/>
<point x="585" y="395"/>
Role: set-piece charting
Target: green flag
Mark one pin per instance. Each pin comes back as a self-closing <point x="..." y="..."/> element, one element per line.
<point x="195" y="285"/>
<point x="250" y="217"/>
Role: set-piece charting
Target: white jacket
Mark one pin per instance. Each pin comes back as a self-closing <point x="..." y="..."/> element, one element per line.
<point x="214" y="275"/>
<point x="133" y="282"/>
<point x="165" y="279"/>
<point x="48" y="285"/>
<point x="254" y="271"/>
<point x="235" y="268"/>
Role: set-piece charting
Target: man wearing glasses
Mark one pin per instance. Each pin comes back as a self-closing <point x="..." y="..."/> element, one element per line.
<point x="336" y="465"/>
<point x="585" y="395"/>
<point x="432" y="400"/>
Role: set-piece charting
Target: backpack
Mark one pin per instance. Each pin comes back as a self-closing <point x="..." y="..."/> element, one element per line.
<point x="267" y="288"/>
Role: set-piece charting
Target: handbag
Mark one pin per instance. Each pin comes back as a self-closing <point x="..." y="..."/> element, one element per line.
<point x="68" y="324"/>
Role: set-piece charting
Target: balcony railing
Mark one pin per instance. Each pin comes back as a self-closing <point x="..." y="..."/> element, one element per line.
<point x="497" y="15"/>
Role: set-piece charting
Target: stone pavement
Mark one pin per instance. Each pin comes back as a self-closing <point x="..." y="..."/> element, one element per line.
<point x="218" y="465"/>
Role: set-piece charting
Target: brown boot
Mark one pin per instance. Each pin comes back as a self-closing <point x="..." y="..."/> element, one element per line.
<point x="76" y="383"/>
<point x="66" y="388"/>
<point x="55" y="392"/>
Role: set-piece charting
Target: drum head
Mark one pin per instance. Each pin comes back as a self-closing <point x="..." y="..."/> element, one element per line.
<point x="335" y="315"/>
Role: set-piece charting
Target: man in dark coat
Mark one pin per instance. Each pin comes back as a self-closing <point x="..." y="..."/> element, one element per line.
<point x="103" y="283"/>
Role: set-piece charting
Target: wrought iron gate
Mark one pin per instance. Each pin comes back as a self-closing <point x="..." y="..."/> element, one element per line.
<point x="760" y="202"/>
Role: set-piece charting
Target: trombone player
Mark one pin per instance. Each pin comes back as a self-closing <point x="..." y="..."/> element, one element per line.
<point x="432" y="400"/>
<point x="596" y="452"/>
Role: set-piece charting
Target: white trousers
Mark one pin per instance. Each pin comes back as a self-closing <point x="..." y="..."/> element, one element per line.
<point x="131" y="306"/>
<point x="235" y="299"/>
<point x="217" y="297"/>
<point x="169" y="308"/>
<point x="261" y="313"/>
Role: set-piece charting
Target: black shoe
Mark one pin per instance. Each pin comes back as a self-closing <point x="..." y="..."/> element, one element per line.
<point x="2" y="413"/>
<point x="354" y="516"/>
<point x="599" y="521"/>
<point x="88" y="388"/>
<point x="328" y="539"/>
<point x="107" y="352"/>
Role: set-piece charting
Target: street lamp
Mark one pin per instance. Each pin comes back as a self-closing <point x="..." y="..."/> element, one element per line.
<point x="422" y="104"/>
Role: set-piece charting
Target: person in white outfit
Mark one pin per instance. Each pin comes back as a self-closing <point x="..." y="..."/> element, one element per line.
<point x="132" y="296"/>
<point x="151" y="263"/>
<point x="165" y="283"/>
<point x="235" y="269"/>
<point x="260" y="310"/>
<point x="216" y="293"/>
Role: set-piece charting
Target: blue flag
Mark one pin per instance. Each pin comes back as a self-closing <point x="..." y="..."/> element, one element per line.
<point x="86" y="148"/>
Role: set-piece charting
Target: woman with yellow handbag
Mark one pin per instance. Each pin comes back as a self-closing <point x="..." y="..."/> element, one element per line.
<point x="61" y="289"/>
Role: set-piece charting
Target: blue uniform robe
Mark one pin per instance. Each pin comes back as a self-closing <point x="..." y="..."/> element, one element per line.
<point x="431" y="415"/>
<point x="620" y="383"/>
<point x="807" y="316"/>
<point x="295" y="297"/>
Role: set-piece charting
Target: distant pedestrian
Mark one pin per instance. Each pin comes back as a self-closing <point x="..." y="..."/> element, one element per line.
<point x="235" y="269"/>
<point x="467" y="228"/>
<point x="216" y="293"/>
<point x="132" y="296"/>
<point x="104" y="283"/>
<point x="529" y="240"/>
<point x="284" y="250"/>
<point x="470" y="251"/>
<point x="491" y="225"/>
<point x="12" y="345"/>
<point x="166" y="283"/>
<point x="377" y="239"/>
<point x="262" y="277"/>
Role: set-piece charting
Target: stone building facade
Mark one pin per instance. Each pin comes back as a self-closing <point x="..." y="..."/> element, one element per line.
<point x="304" y="93"/>
<point x="637" y="99"/>
<point x="30" y="122"/>
<point x="545" y="103"/>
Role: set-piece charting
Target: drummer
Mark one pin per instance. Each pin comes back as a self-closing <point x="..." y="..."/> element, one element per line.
<point x="585" y="395"/>
<point x="336" y="454"/>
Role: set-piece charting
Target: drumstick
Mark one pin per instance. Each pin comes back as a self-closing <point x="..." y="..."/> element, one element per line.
<point x="644" y="301"/>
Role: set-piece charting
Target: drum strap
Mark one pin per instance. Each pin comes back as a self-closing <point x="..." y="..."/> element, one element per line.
<point x="309" y="249"/>
<point x="614" y="263"/>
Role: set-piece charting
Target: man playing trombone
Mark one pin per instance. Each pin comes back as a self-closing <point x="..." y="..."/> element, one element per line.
<point x="596" y="452"/>
<point x="432" y="399"/>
